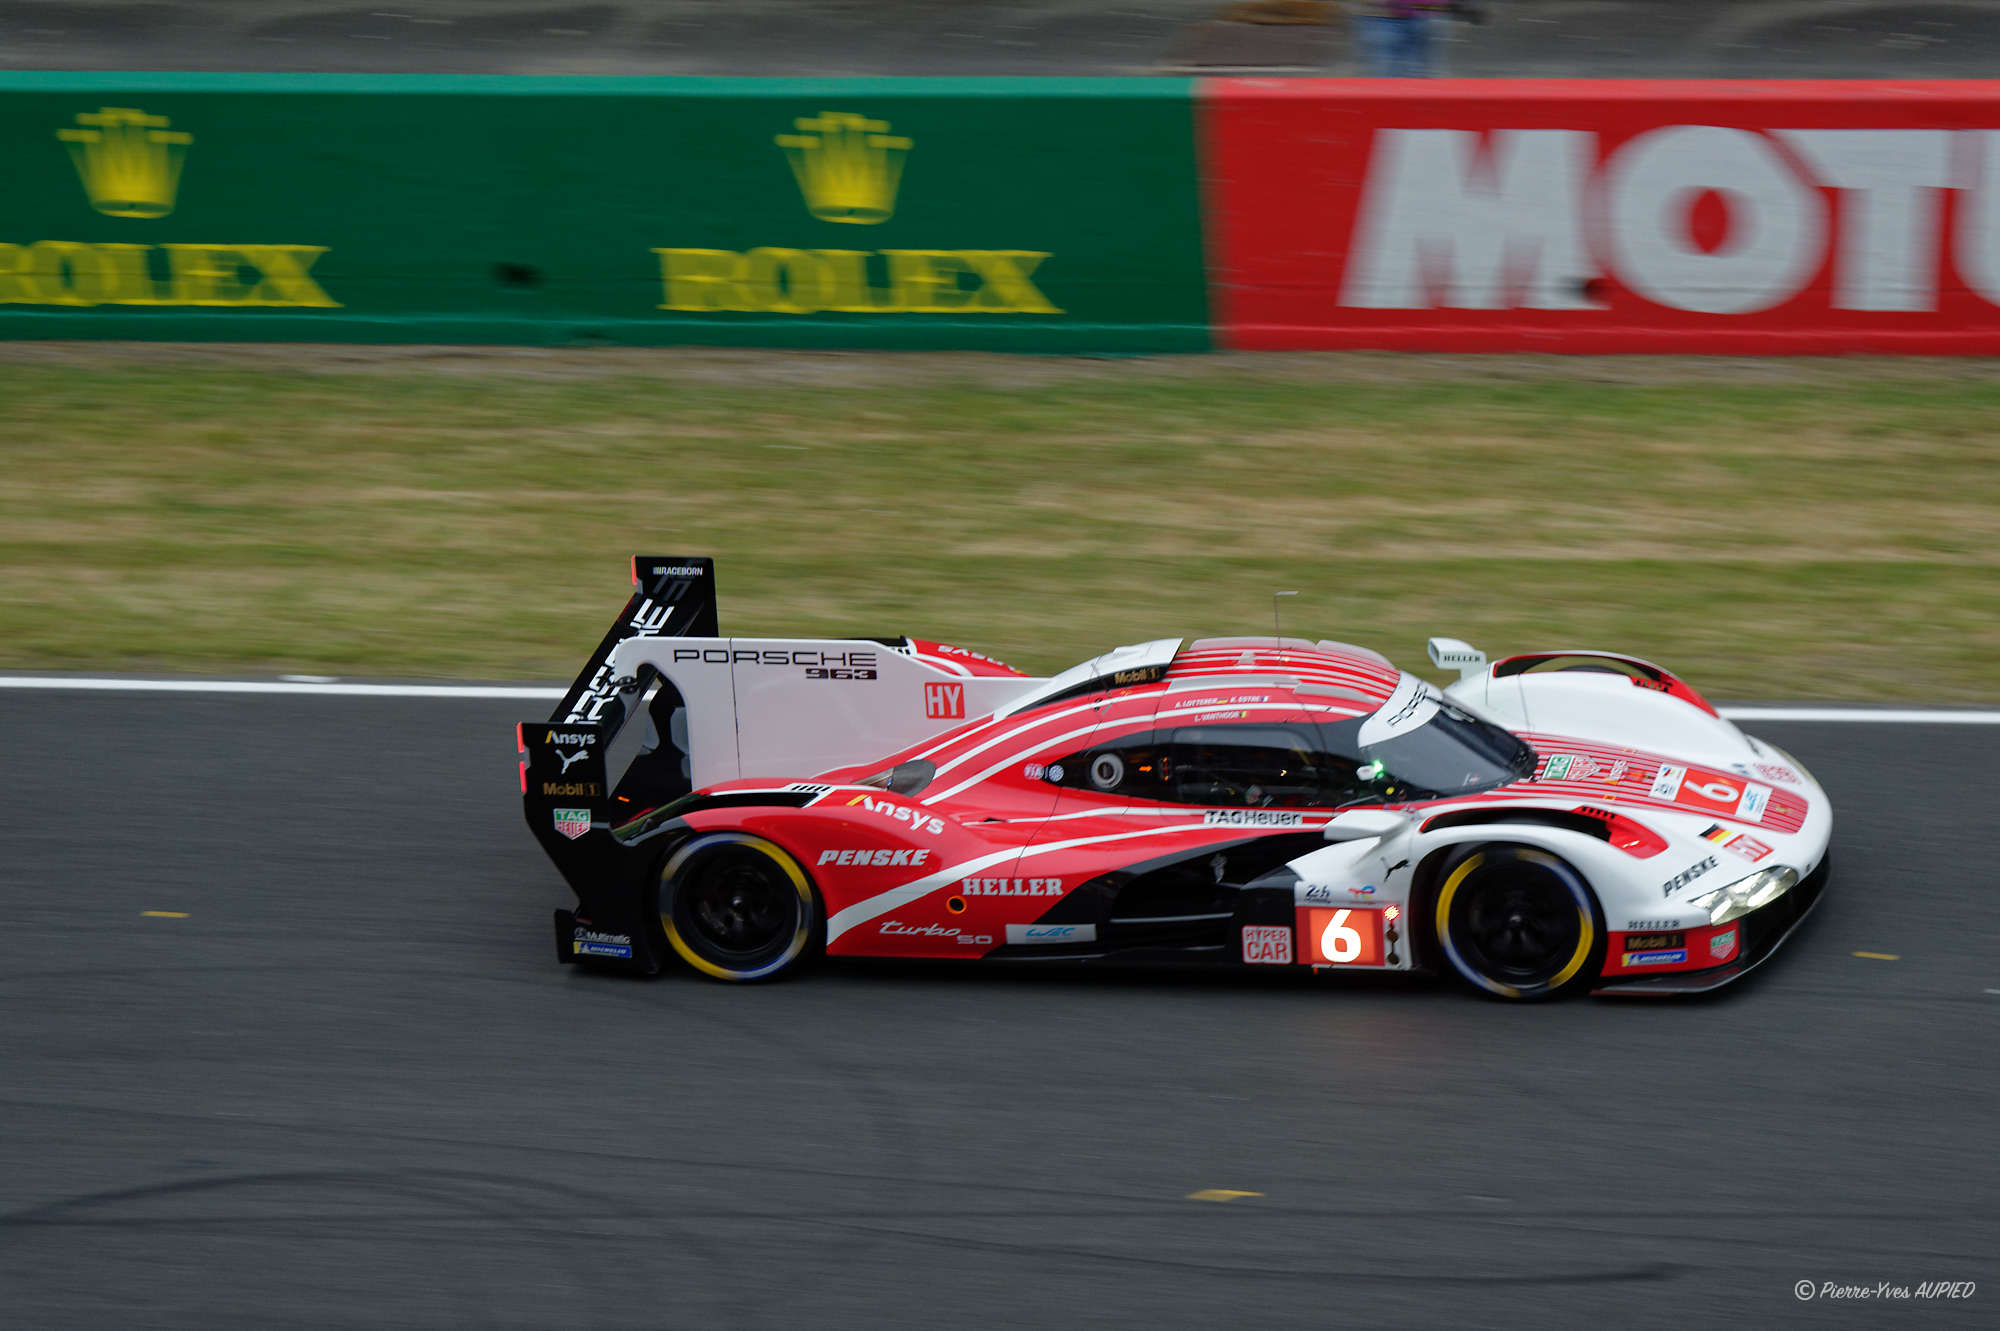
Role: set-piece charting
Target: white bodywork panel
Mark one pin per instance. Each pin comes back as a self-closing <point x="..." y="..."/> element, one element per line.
<point x="1606" y="708"/>
<point x="791" y="707"/>
<point x="1148" y="656"/>
<point x="1368" y="873"/>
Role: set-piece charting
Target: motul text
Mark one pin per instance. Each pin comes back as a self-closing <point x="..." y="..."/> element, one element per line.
<point x="1609" y="216"/>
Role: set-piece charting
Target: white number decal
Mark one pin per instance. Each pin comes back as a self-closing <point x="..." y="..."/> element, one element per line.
<point x="1337" y="942"/>
<point x="1719" y="791"/>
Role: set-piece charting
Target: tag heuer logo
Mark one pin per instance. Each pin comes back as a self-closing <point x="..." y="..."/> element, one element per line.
<point x="572" y="823"/>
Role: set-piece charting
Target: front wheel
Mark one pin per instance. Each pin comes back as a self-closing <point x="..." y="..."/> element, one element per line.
<point x="1517" y="922"/>
<point x="736" y="907"/>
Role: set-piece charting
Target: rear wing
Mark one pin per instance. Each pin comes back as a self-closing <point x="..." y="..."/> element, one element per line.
<point x="718" y="709"/>
<point x="672" y="596"/>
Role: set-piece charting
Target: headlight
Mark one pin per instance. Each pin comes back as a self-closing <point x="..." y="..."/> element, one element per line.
<point x="1724" y="904"/>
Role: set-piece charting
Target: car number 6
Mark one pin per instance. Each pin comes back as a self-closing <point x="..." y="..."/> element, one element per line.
<point x="1337" y="942"/>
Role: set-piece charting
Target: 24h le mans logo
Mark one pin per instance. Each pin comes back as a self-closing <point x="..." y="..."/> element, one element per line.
<point x="572" y="823"/>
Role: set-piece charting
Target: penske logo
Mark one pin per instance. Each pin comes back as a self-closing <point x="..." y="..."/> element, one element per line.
<point x="876" y="858"/>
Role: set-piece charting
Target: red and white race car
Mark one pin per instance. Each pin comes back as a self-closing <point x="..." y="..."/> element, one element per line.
<point x="1550" y="822"/>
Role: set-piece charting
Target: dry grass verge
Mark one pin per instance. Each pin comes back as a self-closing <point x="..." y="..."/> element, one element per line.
<point x="1805" y="529"/>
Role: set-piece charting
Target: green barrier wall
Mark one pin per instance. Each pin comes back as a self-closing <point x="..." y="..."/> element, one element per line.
<point x="1031" y="214"/>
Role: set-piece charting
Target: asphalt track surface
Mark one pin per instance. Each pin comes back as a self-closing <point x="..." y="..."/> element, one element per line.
<point x="351" y="1087"/>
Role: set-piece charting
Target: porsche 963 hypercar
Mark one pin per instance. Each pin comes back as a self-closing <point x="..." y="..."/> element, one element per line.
<point x="1556" y="821"/>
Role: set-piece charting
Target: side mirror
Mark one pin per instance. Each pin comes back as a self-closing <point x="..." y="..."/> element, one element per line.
<point x="1451" y="654"/>
<point x="1364" y="824"/>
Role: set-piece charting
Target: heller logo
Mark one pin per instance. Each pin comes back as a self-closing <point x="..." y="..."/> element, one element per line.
<point x="848" y="166"/>
<point x="944" y="702"/>
<point x="130" y="162"/>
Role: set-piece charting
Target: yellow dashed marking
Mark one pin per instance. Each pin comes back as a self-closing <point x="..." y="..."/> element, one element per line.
<point x="164" y="914"/>
<point x="1220" y="1195"/>
<point x="1879" y="956"/>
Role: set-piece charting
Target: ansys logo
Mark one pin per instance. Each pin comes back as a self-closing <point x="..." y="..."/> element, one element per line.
<point x="849" y="170"/>
<point x="129" y="163"/>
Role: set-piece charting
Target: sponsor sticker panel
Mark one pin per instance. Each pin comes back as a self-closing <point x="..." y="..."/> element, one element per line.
<point x="1267" y="945"/>
<point x="1640" y="949"/>
<point x="1603" y="216"/>
<point x="1051" y="935"/>
<point x="806" y="212"/>
<point x="1340" y="936"/>
<point x="588" y="942"/>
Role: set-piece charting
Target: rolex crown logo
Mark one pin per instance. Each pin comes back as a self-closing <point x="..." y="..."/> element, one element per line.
<point x="130" y="162"/>
<point x="848" y="166"/>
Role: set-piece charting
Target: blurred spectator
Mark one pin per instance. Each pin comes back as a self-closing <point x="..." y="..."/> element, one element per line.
<point x="1397" y="35"/>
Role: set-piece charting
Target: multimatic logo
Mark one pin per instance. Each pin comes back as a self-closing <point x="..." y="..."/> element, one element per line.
<point x="591" y="943"/>
<point x="129" y="164"/>
<point x="849" y="169"/>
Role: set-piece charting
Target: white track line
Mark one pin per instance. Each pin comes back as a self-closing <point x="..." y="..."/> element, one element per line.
<point x="1902" y="716"/>
<point x="531" y="692"/>
<point x="64" y="683"/>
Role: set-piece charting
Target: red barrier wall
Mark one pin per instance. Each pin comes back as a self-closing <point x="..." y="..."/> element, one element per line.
<point x="1588" y="216"/>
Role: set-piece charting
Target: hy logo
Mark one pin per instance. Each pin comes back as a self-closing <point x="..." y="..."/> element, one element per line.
<point x="848" y="166"/>
<point x="130" y="162"/>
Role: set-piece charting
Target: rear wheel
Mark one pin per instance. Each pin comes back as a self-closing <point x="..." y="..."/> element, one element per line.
<point x="737" y="907"/>
<point x="1517" y="922"/>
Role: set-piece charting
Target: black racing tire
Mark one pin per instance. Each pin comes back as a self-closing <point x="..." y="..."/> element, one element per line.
<point x="1517" y="922"/>
<point x="737" y="907"/>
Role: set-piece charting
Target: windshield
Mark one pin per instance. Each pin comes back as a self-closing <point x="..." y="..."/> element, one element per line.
<point x="1421" y="739"/>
